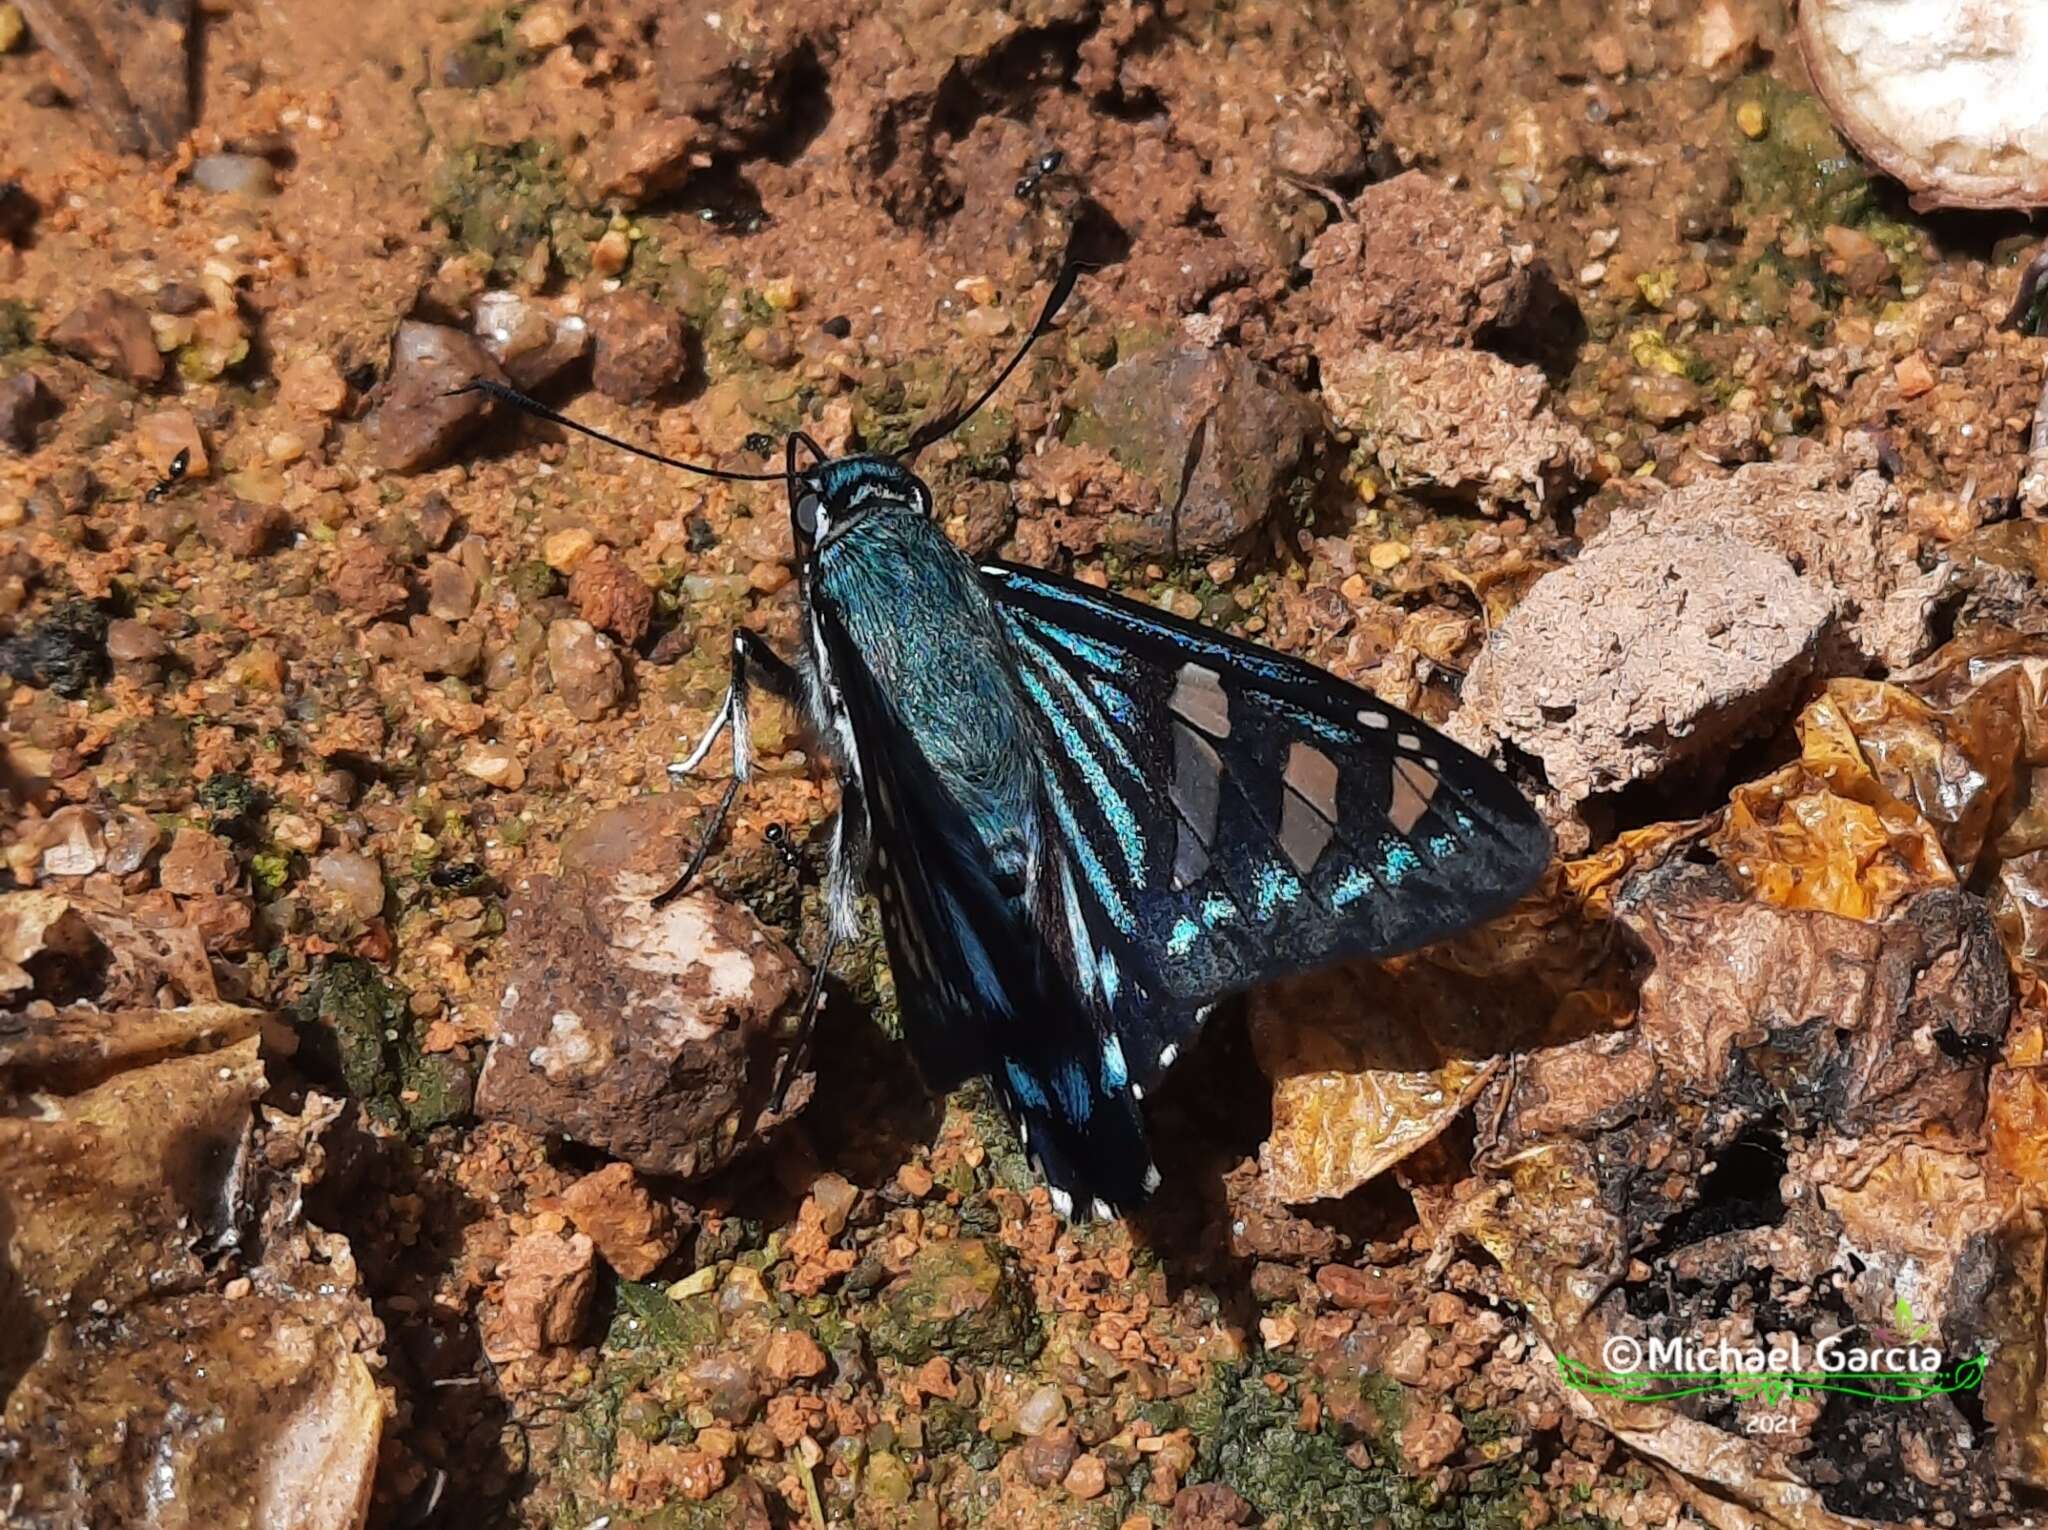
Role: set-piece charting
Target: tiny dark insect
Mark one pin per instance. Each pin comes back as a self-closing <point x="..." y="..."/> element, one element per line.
<point x="1085" y="822"/>
<point x="456" y="876"/>
<point x="1046" y="164"/>
<point x="778" y="838"/>
<point x="760" y="443"/>
<point x="173" y="476"/>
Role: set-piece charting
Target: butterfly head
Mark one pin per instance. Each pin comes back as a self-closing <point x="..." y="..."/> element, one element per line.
<point x="829" y="497"/>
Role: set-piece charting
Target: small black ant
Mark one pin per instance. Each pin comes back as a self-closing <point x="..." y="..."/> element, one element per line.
<point x="778" y="838"/>
<point x="173" y="476"/>
<point x="760" y="443"/>
<point x="1046" y="164"/>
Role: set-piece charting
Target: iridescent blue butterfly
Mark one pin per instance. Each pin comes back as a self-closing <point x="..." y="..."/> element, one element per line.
<point x="1085" y="821"/>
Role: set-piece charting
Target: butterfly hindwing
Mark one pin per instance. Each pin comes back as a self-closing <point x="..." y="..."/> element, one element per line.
<point x="1239" y="815"/>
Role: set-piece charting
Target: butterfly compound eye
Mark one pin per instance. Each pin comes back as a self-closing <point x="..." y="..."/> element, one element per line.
<point x="805" y="513"/>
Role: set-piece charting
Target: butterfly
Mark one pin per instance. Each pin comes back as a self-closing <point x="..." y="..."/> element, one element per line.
<point x="1084" y="821"/>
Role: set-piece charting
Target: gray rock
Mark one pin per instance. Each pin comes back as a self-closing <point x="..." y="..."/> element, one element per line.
<point x="1221" y="439"/>
<point x="1646" y="652"/>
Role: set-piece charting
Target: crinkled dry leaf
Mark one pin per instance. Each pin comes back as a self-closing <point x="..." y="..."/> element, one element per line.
<point x="1827" y="832"/>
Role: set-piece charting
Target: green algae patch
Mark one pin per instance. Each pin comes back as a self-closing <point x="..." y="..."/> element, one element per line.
<point x="1251" y="1439"/>
<point x="957" y="1299"/>
<point x="1791" y="161"/>
<point x="502" y="200"/>
<point x="374" y="1042"/>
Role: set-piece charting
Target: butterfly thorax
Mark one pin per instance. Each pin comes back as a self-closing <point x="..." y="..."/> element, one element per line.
<point x="918" y="621"/>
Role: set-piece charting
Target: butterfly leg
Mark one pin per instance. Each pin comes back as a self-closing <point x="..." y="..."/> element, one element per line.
<point x="753" y="663"/>
<point x="842" y="890"/>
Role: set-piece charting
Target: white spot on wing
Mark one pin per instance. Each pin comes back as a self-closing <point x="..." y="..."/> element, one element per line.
<point x="1373" y="719"/>
<point x="1062" y="1202"/>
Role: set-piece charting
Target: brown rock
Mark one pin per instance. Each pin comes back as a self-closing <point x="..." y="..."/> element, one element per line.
<point x="197" y="865"/>
<point x="133" y="642"/>
<point x="1046" y="1460"/>
<point x="1209" y="1506"/>
<point x="1646" y="652"/>
<point x="112" y="333"/>
<point x="451" y="590"/>
<point x="611" y="596"/>
<point x="632" y="1230"/>
<point x="1357" y="1290"/>
<point x="649" y="153"/>
<point x="588" y="675"/>
<point x="416" y="423"/>
<point x="1314" y="144"/>
<point x="365" y="577"/>
<point x="241" y="527"/>
<point x="640" y="346"/>
<point x="1430" y="1439"/>
<point x="651" y="1033"/>
<point x="434" y="520"/>
<point x="223" y="923"/>
<point x="793" y="1356"/>
<point x="1220" y="439"/>
<point x="1415" y="264"/>
<point x="549" y="1284"/>
<point x="1461" y="423"/>
<point x="24" y="404"/>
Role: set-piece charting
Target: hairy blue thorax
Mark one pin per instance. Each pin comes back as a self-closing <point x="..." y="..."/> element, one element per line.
<point x="916" y="611"/>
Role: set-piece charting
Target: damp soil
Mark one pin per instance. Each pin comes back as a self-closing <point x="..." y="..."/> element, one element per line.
<point x="382" y="658"/>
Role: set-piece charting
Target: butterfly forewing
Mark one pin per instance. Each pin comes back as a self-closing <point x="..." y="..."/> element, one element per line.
<point x="1238" y="815"/>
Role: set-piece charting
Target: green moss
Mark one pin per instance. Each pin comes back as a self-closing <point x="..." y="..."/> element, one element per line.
<point x="647" y="1318"/>
<point x="491" y="53"/>
<point x="269" y="870"/>
<point x="958" y="1299"/>
<point x="375" y="1042"/>
<point x="17" y="325"/>
<point x="533" y="580"/>
<point x="230" y="798"/>
<point x="354" y="1003"/>
<point x="501" y="201"/>
<point x="1250" y="1438"/>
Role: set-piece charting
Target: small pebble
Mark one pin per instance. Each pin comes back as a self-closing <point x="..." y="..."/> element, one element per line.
<point x="356" y="879"/>
<point x="239" y="175"/>
<point x="564" y="549"/>
<point x="1387" y="555"/>
<point x="1087" y="1478"/>
<point x="495" y="765"/>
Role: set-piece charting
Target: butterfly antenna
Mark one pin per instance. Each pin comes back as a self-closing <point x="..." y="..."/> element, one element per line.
<point x="946" y="424"/>
<point x="538" y="410"/>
